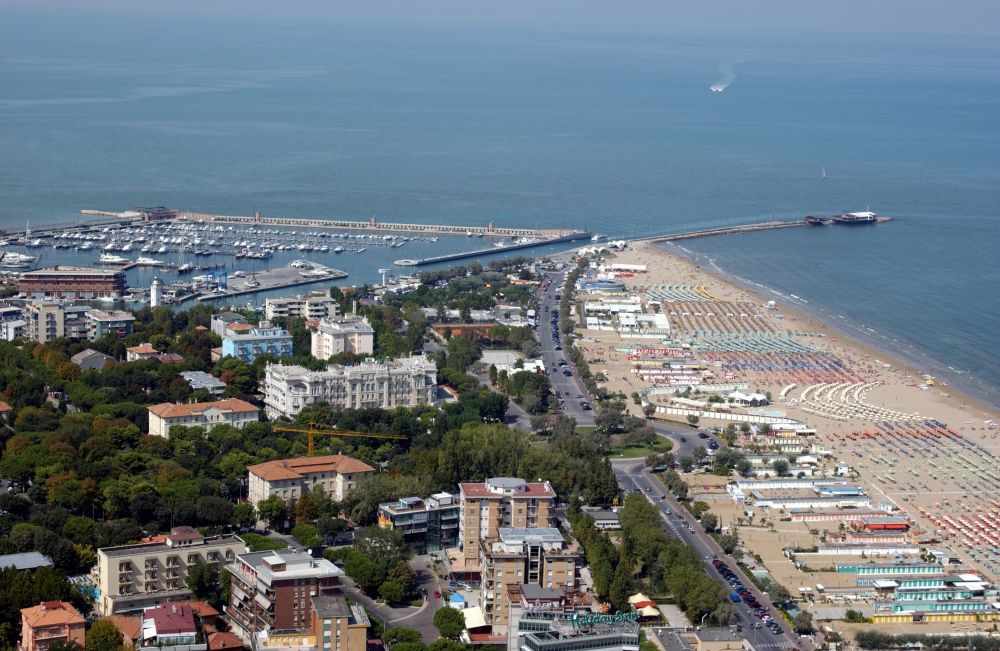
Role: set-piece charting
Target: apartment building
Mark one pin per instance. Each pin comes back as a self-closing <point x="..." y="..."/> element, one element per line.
<point x="427" y="525"/>
<point x="404" y="382"/>
<point x="274" y="590"/>
<point x="499" y="502"/>
<point x="289" y="478"/>
<point x="517" y="556"/>
<point x="64" y="281"/>
<point x="338" y="626"/>
<point x="232" y="411"/>
<point x="249" y="342"/>
<point x="13" y="329"/>
<point x="317" y="306"/>
<point x="220" y="322"/>
<point x="48" y="623"/>
<point x="130" y="578"/>
<point x="106" y="322"/>
<point x="49" y="319"/>
<point x="348" y="334"/>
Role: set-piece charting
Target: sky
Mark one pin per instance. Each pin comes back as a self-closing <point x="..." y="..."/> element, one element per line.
<point x="951" y="17"/>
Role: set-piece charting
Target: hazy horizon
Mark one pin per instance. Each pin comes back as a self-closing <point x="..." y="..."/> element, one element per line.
<point x="959" y="18"/>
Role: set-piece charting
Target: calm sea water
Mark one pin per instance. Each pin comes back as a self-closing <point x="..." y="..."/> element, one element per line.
<point x="616" y="132"/>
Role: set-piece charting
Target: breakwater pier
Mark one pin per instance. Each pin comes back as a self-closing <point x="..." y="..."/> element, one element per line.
<point x="725" y="230"/>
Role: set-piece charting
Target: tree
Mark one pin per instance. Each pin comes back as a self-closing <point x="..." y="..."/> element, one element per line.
<point x="778" y="593"/>
<point x="391" y="592"/>
<point x="307" y="534"/>
<point x="449" y="622"/>
<point x="214" y="510"/>
<point x="244" y="515"/>
<point x="710" y="521"/>
<point x="728" y="542"/>
<point x="803" y="623"/>
<point x="685" y="462"/>
<point x="103" y="636"/>
<point x="692" y="420"/>
<point x="272" y="510"/>
<point x="60" y="645"/>
<point x="365" y="571"/>
<point x="649" y="409"/>
<point x="780" y="466"/>
<point x="203" y="581"/>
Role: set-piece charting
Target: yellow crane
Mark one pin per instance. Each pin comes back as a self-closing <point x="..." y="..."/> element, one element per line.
<point x="315" y="431"/>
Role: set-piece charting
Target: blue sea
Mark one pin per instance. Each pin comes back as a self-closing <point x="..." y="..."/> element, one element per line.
<point x="615" y="131"/>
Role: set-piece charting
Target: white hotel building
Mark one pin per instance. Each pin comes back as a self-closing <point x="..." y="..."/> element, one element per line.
<point x="404" y="382"/>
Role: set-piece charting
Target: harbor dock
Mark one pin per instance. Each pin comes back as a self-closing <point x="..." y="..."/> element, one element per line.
<point x="407" y="262"/>
<point x="270" y="279"/>
<point x="374" y="224"/>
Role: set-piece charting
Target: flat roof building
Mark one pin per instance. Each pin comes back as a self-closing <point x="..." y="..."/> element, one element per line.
<point x="496" y="503"/>
<point x="25" y="561"/>
<point x="133" y="577"/>
<point x="427" y="525"/>
<point x="274" y="590"/>
<point x="202" y="381"/>
<point x="348" y="334"/>
<point x="101" y="323"/>
<point x="64" y="281"/>
<point x="248" y="343"/>
<point x="317" y="306"/>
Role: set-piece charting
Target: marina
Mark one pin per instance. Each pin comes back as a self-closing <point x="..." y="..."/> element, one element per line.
<point x="213" y="257"/>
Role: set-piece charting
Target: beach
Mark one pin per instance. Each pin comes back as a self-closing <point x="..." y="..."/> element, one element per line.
<point x="918" y="445"/>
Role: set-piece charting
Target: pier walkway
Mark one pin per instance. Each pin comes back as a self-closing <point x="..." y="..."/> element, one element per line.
<point x="723" y="230"/>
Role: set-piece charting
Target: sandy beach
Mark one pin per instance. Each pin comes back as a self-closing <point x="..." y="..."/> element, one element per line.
<point x="915" y="442"/>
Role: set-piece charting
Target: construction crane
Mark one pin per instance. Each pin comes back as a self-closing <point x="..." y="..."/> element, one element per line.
<point x="315" y="431"/>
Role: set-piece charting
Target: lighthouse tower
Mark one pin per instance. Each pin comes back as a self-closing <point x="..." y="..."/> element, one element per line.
<point x="155" y="293"/>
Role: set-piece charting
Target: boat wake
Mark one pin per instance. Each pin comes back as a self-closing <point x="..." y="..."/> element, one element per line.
<point x="728" y="76"/>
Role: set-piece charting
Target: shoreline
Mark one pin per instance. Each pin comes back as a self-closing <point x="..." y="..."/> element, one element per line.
<point x="981" y="397"/>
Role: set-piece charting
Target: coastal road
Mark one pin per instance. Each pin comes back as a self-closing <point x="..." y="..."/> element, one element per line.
<point x="679" y="523"/>
<point x="568" y="388"/>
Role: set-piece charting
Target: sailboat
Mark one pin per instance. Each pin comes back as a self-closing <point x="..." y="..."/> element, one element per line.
<point x="824" y="173"/>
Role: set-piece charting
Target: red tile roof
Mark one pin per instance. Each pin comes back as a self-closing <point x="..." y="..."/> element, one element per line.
<point x="51" y="613"/>
<point x="224" y="642"/>
<point x="4" y="407"/>
<point x="296" y="468"/>
<point x="142" y="349"/>
<point x="129" y="626"/>
<point x="171" y="619"/>
<point x="172" y="410"/>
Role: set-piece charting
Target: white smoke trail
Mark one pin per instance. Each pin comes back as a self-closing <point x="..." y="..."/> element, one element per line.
<point x="728" y="76"/>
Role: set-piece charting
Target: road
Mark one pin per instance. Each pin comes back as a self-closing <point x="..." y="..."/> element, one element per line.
<point x="419" y="618"/>
<point x="567" y="388"/>
<point x="574" y="386"/>
<point x="679" y="523"/>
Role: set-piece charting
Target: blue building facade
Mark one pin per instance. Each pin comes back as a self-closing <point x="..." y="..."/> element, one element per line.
<point x="261" y="340"/>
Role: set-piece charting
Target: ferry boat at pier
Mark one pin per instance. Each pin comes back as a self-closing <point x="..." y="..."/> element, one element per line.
<point x="856" y="218"/>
